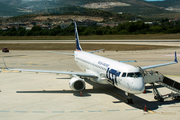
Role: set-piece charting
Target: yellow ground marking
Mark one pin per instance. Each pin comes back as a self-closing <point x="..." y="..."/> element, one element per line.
<point x="151" y="112"/>
<point x="3" y="68"/>
<point x="9" y="71"/>
<point x="4" y="71"/>
<point x="15" y="71"/>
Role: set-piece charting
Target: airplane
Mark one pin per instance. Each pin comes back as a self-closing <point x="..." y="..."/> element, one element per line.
<point x="104" y="71"/>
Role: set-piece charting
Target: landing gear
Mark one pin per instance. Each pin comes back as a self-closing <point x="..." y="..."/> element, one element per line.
<point x="129" y="99"/>
<point x="157" y="95"/>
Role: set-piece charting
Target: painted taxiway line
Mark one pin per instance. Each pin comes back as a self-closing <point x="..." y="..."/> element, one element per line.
<point x="90" y="111"/>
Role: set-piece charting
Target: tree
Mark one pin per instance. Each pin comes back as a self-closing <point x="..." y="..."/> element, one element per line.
<point x="36" y="28"/>
<point x="156" y="29"/>
<point x="28" y="33"/>
<point x="21" y="31"/>
<point x="87" y="31"/>
<point x="13" y="29"/>
<point x="99" y="31"/>
<point x="124" y="32"/>
<point x="1" y="32"/>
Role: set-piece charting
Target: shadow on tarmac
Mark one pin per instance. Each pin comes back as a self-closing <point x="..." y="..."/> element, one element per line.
<point x="139" y="103"/>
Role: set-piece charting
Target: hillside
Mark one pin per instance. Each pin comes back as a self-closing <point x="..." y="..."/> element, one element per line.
<point x="6" y="10"/>
<point x="74" y="13"/>
<point x="170" y="5"/>
<point x="165" y="3"/>
<point x="137" y="7"/>
<point x="140" y="8"/>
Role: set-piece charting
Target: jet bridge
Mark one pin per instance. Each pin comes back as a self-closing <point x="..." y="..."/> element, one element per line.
<point x="171" y="84"/>
<point x="153" y="77"/>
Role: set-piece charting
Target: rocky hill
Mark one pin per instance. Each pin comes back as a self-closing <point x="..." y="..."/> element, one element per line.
<point x="137" y="7"/>
<point x="74" y="13"/>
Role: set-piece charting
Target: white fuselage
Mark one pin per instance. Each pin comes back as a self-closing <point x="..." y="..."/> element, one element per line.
<point x="120" y="75"/>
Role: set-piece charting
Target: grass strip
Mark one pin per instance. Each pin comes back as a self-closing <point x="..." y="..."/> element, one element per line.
<point x="85" y="46"/>
<point x="96" y="37"/>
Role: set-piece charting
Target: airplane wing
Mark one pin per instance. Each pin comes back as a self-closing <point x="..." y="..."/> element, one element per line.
<point x="96" y="51"/>
<point x="72" y="53"/>
<point x="56" y="72"/>
<point x="128" y="61"/>
<point x="159" y="65"/>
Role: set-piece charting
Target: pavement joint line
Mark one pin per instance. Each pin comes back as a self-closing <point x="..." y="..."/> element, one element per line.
<point x="57" y="111"/>
<point x="95" y="111"/>
<point x="1" y="111"/>
<point x="112" y="110"/>
<point x="38" y="111"/>
<point x="130" y="109"/>
<point x="148" y="112"/>
<point x="21" y="111"/>
<point x="76" y="111"/>
<point x="4" y="111"/>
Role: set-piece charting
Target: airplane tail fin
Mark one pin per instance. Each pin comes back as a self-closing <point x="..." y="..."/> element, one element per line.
<point x="78" y="46"/>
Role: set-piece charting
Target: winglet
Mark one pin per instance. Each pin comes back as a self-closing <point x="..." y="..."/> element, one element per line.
<point x="5" y="67"/>
<point x="78" y="46"/>
<point x="175" y="60"/>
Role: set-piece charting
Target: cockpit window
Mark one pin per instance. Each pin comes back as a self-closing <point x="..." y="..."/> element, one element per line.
<point x="124" y="75"/>
<point x="130" y="75"/>
<point x="136" y="74"/>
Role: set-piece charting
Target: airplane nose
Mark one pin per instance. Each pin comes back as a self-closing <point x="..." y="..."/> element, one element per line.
<point x="138" y="86"/>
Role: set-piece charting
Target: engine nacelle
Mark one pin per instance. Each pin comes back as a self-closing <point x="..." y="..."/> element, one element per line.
<point x="77" y="84"/>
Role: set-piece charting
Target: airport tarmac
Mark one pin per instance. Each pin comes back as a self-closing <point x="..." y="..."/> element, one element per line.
<point x="44" y="96"/>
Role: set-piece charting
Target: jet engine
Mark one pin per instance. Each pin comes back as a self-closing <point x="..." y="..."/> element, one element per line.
<point x="77" y="84"/>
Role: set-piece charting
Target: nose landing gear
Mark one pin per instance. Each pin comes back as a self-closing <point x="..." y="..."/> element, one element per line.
<point x="129" y="99"/>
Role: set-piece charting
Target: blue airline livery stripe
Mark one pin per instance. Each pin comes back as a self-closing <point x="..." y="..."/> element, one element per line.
<point x="78" y="47"/>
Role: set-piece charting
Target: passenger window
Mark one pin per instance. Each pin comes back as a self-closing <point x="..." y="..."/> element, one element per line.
<point x="124" y="75"/>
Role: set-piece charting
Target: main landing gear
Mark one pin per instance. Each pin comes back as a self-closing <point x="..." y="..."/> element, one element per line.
<point x="129" y="99"/>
